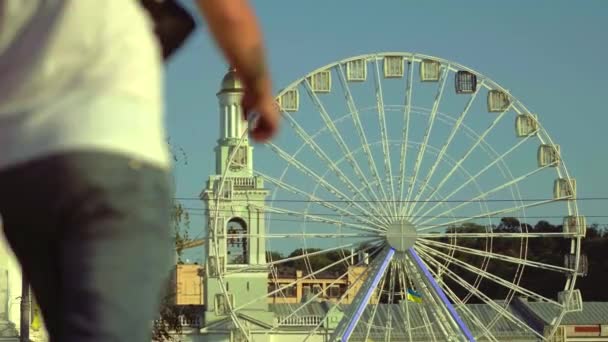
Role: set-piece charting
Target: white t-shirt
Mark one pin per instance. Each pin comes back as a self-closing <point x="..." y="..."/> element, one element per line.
<point x="79" y="75"/>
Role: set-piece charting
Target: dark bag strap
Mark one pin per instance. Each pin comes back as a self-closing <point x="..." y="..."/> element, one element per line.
<point x="172" y="24"/>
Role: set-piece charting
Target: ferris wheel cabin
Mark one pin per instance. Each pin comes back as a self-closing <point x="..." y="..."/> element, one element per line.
<point x="526" y="125"/>
<point x="548" y="155"/>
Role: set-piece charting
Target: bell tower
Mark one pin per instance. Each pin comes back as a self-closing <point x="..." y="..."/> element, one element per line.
<point x="234" y="199"/>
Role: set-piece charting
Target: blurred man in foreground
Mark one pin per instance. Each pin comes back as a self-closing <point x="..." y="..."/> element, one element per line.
<point x="84" y="191"/>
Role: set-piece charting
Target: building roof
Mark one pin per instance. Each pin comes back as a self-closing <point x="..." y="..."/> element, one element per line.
<point x="593" y="313"/>
<point x="400" y="316"/>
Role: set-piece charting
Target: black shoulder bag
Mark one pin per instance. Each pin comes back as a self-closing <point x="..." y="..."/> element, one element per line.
<point x="172" y="24"/>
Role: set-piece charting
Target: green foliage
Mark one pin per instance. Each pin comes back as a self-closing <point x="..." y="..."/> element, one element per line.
<point x="169" y="322"/>
<point x="550" y="251"/>
<point x="180" y="220"/>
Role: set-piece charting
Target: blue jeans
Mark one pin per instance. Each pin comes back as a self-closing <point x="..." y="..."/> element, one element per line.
<point x="92" y="233"/>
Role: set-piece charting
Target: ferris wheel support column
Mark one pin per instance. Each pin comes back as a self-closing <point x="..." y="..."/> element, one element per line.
<point x="428" y="278"/>
<point x="377" y="269"/>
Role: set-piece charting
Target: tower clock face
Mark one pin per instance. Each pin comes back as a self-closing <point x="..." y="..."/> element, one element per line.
<point x="239" y="160"/>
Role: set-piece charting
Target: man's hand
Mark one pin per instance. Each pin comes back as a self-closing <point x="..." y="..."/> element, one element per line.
<point x="236" y="31"/>
<point x="262" y="103"/>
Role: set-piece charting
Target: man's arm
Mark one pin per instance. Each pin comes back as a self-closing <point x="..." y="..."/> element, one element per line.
<point x="236" y="30"/>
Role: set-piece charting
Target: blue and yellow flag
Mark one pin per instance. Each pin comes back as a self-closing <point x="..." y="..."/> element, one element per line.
<point x="414" y="296"/>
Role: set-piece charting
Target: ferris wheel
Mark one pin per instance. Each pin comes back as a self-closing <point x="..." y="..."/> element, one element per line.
<point x="404" y="194"/>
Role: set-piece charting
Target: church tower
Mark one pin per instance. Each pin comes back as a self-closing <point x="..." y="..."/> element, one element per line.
<point x="234" y="199"/>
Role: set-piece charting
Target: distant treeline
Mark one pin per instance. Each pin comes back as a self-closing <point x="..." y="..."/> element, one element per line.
<point x="546" y="283"/>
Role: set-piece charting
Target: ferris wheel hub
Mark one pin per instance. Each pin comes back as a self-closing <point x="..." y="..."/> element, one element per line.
<point x="401" y="235"/>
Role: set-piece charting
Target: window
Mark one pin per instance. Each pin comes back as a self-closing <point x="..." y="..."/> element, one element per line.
<point x="237" y="242"/>
<point x="316" y="289"/>
<point x="221" y="303"/>
<point x="271" y="288"/>
<point x="225" y="187"/>
<point x="239" y="160"/>
<point x="287" y="290"/>
<point x="334" y="291"/>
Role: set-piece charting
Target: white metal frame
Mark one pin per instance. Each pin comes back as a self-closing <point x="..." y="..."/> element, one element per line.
<point x="365" y="198"/>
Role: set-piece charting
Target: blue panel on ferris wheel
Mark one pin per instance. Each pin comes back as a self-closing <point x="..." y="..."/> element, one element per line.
<point x="465" y="82"/>
<point x="463" y="327"/>
<point x="359" y="311"/>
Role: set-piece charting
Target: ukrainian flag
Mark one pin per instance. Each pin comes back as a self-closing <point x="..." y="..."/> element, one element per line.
<point x="414" y="296"/>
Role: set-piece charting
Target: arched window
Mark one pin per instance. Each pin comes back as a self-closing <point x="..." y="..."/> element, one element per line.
<point x="237" y="242"/>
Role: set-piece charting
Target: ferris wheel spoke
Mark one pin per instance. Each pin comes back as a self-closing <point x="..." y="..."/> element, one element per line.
<point x="302" y="256"/>
<point x="316" y="218"/>
<point x="370" y="322"/>
<point x="493" y="235"/>
<point x="491" y="255"/>
<point x="422" y="309"/>
<point x="391" y="300"/>
<point x="383" y="133"/>
<point x="496" y="279"/>
<point x="485" y="194"/>
<point x="464" y="309"/>
<point x="403" y="283"/>
<point x="309" y="140"/>
<point x="308" y="276"/>
<point x="307" y="235"/>
<point x="444" y="148"/>
<point x="490" y="214"/>
<point x="480" y="139"/>
<point x="360" y="131"/>
<point x="322" y="202"/>
<point x="480" y="295"/>
<point x="321" y="181"/>
<point x="476" y="176"/>
<point x="338" y="137"/>
<point x="374" y="271"/>
<point x="425" y="140"/>
<point x="315" y="297"/>
<point x="459" y="304"/>
<point x="405" y="133"/>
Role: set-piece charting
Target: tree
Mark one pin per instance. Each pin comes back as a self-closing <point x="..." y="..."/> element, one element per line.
<point x="170" y="313"/>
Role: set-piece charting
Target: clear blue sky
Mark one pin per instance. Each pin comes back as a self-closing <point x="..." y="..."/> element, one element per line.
<point x="550" y="54"/>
